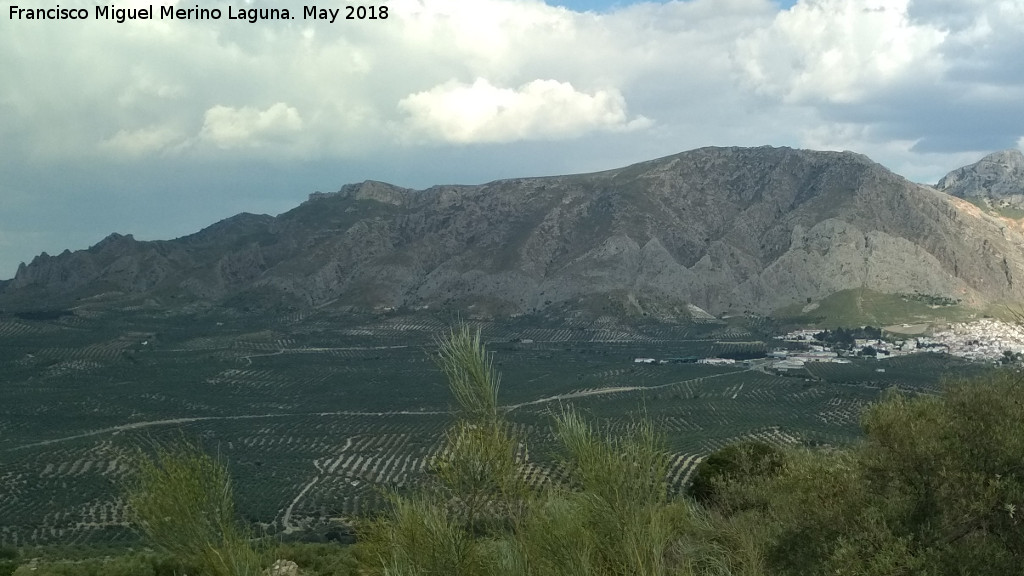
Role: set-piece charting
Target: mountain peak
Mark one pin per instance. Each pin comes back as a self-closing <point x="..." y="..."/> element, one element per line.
<point x="999" y="175"/>
<point x="1012" y="156"/>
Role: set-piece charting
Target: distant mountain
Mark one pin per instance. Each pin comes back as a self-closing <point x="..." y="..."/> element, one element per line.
<point x="725" y="229"/>
<point x="998" y="177"/>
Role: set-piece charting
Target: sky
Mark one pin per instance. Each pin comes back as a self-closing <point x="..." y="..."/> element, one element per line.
<point x="158" y="128"/>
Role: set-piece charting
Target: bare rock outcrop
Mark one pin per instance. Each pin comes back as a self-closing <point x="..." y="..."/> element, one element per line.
<point x="998" y="177"/>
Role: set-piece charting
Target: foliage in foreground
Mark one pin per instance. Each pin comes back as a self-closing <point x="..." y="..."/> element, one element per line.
<point x="142" y="564"/>
<point x="313" y="559"/>
<point x="742" y="460"/>
<point x="613" y="515"/>
<point x="935" y="488"/>
<point x="182" y="500"/>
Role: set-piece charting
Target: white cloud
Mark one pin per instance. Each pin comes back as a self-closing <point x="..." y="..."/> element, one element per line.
<point x="141" y="142"/>
<point x="489" y="36"/>
<point x="898" y="155"/>
<point x="542" y="109"/>
<point x="919" y="86"/>
<point x="249" y="127"/>
<point x="708" y="71"/>
<point x="838" y="50"/>
<point x="147" y="84"/>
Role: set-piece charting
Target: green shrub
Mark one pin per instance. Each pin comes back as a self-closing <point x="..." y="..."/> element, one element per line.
<point x="935" y="488"/>
<point x="128" y="565"/>
<point x="420" y="536"/>
<point x="612" y="518"/>
<point x="618" y="509"/>
<point x="315" y="559"/>
<point x="479" y="472"/>
<point x="949" y="472"/>
<point x="472" y="379"/>
<point x="182" y="500"/>
<point x="736" y="463"/>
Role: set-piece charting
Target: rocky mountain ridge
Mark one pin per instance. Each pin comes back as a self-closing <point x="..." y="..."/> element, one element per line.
<point x="997" y="178"/>
<point x="727" y="229"/>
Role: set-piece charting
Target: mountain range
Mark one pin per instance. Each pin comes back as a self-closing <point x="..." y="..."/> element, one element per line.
<point x="728" y="230"/>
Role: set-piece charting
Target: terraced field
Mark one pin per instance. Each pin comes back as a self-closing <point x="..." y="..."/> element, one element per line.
<point x="319" y="415"/>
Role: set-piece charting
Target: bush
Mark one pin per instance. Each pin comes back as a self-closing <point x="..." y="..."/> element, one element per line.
<point x="182" y="500"/>
<point x="936" y="487"/>
<point x="128" y="565"/>
<point x="8" y="560"/>
<point x="315" y="559"/>
<point x="476" y="486"/>
<point x="950" y="471"/>
<point x="741" y="462"/>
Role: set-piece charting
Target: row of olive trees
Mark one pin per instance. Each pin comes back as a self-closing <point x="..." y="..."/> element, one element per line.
<point x="936" y="487"/>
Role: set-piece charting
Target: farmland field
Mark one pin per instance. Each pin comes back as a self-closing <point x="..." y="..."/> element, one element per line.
<point x="319" y="415"/>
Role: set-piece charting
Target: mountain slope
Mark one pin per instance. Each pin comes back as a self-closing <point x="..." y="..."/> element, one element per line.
<point x="727" y="229"/>
<point x="998" y="175"/>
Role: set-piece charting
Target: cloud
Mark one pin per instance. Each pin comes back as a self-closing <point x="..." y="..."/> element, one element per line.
<point x="838" y="50"/>
<point x="541" y="109"/>
<point x="249" y="127"/>
<point x="707" y="71"/>
<point x="451" y="90"/>
<point x="984" y="40"/>
<point x="902" y="156"/>
<point x="141" y="142"/>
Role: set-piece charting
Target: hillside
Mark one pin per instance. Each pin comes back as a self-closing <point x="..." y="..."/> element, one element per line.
<point x="996" y="176"/>
<point x="995" y="183"/>
<point x="726" y="229"/>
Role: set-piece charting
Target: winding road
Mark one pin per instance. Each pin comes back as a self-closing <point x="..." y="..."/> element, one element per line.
<point x="507" y="408"/>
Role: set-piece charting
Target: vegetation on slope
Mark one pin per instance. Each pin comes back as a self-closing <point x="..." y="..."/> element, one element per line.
<point x="862" y="306"/>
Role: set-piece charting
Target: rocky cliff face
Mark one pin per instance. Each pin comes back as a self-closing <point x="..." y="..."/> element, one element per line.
<point x="727" y="229"/>
<point x="996" y="177"/>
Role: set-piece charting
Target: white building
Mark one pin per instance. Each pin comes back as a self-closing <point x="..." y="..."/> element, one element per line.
<point x="716" y="361"/>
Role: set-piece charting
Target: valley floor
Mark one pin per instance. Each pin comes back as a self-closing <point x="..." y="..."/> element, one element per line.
<point x="319" y="416"/>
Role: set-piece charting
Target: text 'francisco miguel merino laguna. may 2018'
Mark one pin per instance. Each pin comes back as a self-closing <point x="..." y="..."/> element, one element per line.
<point x="121" y="15"/>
